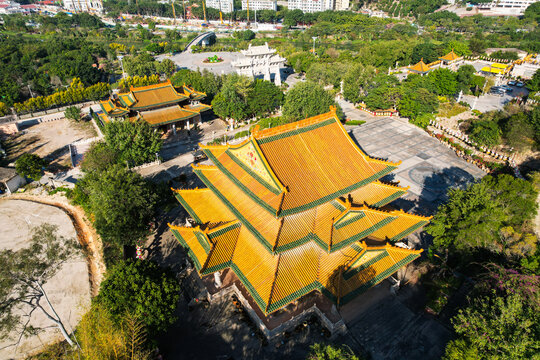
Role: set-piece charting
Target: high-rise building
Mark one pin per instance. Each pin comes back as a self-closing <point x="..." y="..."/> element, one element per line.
<point x="259" y="5"/>
<point x="311" y="6"/>
<point x="341" y="4"/>
<point x="295" y="209"/>
<point x="95" y="6"/>
<point x="505" y="7"/>
<point x="226" y="6"/>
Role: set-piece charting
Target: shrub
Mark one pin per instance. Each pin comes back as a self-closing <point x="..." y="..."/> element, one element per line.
<point x="355" y="122"/>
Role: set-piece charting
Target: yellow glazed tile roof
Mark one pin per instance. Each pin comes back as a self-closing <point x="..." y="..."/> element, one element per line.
<point x="277" y="280"/>
<point x="377" y="194"/>
<point x="155" y="95"/>
<point x="281" y="255"/>
<point x="311" y="162"/>
<point x="451" y="56"/>
<point x="420" y="67"/>
<point x="167" y="115"/>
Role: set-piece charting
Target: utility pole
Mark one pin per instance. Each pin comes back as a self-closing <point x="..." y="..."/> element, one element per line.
<point x="314" y="38"/>
<point x="184" y="4"/>
<point x="31" y="94"/>
<point x="173" y="11"/>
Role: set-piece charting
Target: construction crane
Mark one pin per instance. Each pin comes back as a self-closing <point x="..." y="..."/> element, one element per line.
<point x="220" y="13"/>
<point x="204" y="12"/>
<point x="247" y="23"/>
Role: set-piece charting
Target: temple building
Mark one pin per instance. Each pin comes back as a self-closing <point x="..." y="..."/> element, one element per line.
<point x="159" y="105"/>
<point x="260" y="60"/>
<point x="296" y="209"/>
<point x="451" y="60"/>
<point x="420" y="68"/>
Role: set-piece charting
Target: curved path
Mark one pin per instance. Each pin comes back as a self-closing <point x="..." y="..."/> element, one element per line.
<point x="86" y="234"/>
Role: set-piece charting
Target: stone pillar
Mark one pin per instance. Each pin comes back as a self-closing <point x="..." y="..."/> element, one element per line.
<point x="217" y="279"/>
<point x="187" y="125"/>
<point x="174" y="129"/>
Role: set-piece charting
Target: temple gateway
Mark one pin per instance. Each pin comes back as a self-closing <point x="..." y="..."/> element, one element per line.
<point x="158" y="105"/>
<point x="293" y="210"/>
<point x="260" y="60"/>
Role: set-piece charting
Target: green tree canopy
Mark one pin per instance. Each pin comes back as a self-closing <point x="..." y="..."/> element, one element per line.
<point x="73" y="113"/>
<point x="143" y="289"/>
<point x="476" y="218"/>
<point x="414" y="103"/>
<point x="135" y="143"/>
<point x="307" y="99"/>
<point x="264" y="98"/>
<point x="121" y="203"/>
<point x="502" y="320"/>
<point x="329" y="352"/>
<point x="30" y="165"/>
<point x="485" y="132"/>
<point x="444" y="81"/>
<point x="98" y="158"/>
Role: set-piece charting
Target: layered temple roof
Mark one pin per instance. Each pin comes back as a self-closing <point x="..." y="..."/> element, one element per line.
<point x="292" y="210"/>
<point x="451" y="56"/>
<point x="420" y="67"/>
<point x="156" y="104"/>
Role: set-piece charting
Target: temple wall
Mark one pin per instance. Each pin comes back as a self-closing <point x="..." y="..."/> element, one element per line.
<point x="334" y="328"/>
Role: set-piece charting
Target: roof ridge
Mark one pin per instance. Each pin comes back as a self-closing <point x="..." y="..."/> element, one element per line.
<point x="151" y="86"/>
<point x="259" y="134"/>
<point x="190" y="190"/>
<point x="203" y="167"/>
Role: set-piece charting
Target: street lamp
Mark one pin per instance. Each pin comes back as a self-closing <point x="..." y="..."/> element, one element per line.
<point x="314" y="38"/>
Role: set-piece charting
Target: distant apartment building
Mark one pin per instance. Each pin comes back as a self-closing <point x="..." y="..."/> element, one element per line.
<point x="311" y="6"/>
<point x="95" y="6"/>
<point x="226" y="6"/>
<point x="506" y="7"/>
<point x="259" y="5"/>
<point x="341" y="4"/>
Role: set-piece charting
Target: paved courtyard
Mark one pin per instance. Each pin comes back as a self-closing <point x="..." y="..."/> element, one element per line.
<point x="194" y="61"/>
<point x="428" y="167"/>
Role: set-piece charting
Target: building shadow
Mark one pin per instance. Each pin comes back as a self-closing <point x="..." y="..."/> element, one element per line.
<point x="435" y="188"/>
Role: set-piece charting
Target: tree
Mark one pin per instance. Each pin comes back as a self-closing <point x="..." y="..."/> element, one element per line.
<point x="73" y="113"/>
<point x="444" y="81"/>
<point x="485" y="132"/>
<point x="534" y="83"/>
<point x="264" y="98"/>
<point x="101" y="336"/>
<point x="532" y="13"/>
<point x="307" y="99"/>
<point x="121" y="204"/>
<point x="134" y="142"/>
<point x="518" y="132"/>
<point x="356" y="82"/>
<point x="166" y="66"/>
<point x="98" y="158"/>
<point x="502" y="320"/>
<point x="245" y="35"/>
<point x="415" y="103"/>
<point x="30" y="165"/>
<point x="231" y="101"/>
<point x="428" y="52"/>
<point x="22" y="276"/>
<point x="475" y="218"/>
<point x="143" y="289"/>
<point x="329" y="352"/>
<point x="140" y="65"/>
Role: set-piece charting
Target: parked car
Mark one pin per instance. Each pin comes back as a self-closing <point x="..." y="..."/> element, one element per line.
<point x="512" y="82"/>
<point x="520" y="84"/>
<point x="507" y="88"/>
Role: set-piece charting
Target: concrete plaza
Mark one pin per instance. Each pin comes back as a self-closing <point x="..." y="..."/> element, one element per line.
<point x="428" y="167"/>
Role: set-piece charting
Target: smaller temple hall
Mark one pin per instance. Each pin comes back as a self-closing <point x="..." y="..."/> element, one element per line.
<point x="160" y="105"/>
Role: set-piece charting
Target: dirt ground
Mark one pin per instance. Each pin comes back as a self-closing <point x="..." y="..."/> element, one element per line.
<point x="49" y="139"/>
<point x="68" y="290"/>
